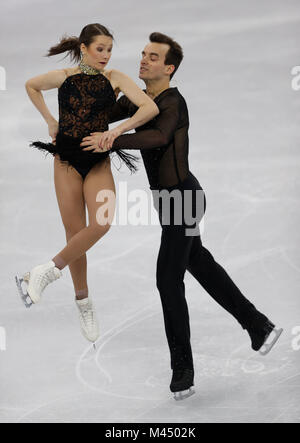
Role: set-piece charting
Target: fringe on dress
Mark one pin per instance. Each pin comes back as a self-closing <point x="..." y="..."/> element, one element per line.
<point x="71" y="154"/>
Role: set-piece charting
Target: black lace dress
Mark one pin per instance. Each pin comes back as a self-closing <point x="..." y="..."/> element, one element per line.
<point x="84" y="105"/>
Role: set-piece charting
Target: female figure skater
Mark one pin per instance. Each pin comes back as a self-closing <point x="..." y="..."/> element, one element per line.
<point x="86" y="94"/>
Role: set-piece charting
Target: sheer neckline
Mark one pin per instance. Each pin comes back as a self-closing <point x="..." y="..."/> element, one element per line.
<point x="88" y="75"/>
<point x="162" y="92"/>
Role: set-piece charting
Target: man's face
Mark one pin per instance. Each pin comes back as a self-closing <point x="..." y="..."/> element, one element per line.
<point x="152" y="66"/>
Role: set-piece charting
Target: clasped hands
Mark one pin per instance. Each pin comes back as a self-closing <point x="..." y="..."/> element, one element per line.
<point x="100" y="141"/>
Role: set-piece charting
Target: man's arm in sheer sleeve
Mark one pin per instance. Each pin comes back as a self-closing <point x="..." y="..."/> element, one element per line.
<point x="120" y="110"/>
<point x="162" y="133"/>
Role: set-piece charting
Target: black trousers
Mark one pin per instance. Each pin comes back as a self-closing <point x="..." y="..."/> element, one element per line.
<point x="180" y="251"/>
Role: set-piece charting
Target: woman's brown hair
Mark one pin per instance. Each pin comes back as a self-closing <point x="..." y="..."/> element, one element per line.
<point x="71" y="44"/>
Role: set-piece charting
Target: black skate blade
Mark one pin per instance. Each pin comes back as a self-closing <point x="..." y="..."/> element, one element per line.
<point x="269" y="343"/>
<point x="182" y="395"/>
<point x="24" y="296"/>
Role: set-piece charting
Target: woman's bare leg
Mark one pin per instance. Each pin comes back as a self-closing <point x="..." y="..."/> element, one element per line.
<point x="69" y="192"/>
<point x="98" y="179"/>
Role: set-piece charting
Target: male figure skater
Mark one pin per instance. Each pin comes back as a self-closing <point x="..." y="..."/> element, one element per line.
<point x="163" y="143"/>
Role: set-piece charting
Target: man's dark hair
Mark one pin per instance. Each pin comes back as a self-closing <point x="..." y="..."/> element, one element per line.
<point x="174" y="55"/>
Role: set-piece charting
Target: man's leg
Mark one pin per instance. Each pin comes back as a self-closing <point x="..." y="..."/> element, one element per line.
<point x="219" y="285"/>
<point x="171" y="266"/>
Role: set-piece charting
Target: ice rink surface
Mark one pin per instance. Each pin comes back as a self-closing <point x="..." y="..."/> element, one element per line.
<point x="244" y="150"/>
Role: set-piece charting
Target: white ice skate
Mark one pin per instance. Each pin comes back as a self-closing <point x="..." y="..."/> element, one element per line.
<point x="88" y="320"/>
<point x="37" y="280"/>
<point x="181" y="395"/>
<point x="270" y="341"/>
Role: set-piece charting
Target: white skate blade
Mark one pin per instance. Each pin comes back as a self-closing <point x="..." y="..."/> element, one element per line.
<point x="271" y="341"/>
<point x="24" y="296"/>
<point x="182" y="395"/>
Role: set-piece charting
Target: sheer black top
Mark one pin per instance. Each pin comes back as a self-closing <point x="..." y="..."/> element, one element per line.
<point x="163" y="141"/>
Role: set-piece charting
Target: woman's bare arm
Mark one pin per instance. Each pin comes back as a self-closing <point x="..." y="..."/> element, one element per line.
<point x="34" y="86"/>
<point x="147" y="109"/>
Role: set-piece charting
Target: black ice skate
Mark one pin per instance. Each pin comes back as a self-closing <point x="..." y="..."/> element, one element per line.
<point x="264" y="335"/>
<point x="182" y="382"/>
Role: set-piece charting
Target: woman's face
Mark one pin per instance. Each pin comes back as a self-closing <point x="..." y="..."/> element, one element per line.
<point x="98" y="53"/>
